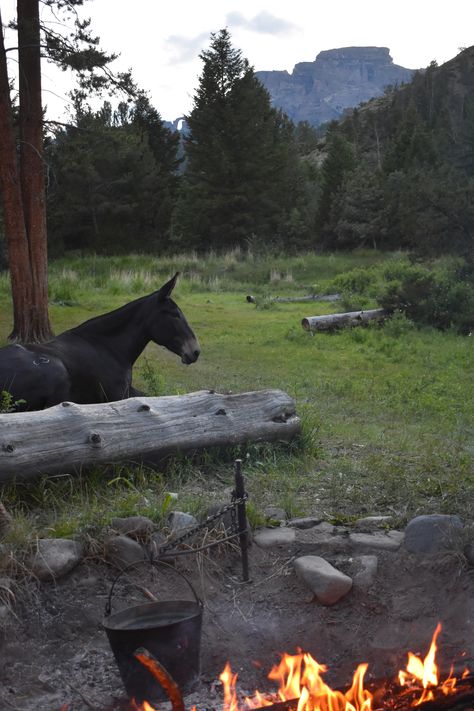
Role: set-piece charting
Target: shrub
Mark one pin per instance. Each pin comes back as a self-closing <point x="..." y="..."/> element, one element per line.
<point x="398" y="325"/>
<point x="357" y="281"/>
<point x="442" y="297"/>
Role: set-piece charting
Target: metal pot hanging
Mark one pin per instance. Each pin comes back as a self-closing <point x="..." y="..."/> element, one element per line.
<point x="170" y="630"/>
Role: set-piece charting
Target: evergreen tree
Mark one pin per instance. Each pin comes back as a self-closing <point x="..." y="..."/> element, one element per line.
<point x="241" y="170"/>
<point x="412" y="145"/>
<point x="114" y="175"/>
<point x="307" y="138"/>
<point x="338" y="162"/>
<point x="356" y="209"/>
<point x="164" y="146"/>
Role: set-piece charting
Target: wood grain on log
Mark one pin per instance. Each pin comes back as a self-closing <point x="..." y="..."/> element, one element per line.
<point x="68" y="436"/>
<point x="350" y="318"/>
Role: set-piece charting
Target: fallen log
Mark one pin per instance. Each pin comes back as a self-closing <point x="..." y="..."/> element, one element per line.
<point x="350" y="318"/>
<point x="296" y="299"/>
<point x="68" y="436"/>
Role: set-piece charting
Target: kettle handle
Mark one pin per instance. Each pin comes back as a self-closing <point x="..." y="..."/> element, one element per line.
<point x="156" y="564"/>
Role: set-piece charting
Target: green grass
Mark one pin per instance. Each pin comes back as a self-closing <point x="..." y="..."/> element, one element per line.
<point x="386" y="411"/>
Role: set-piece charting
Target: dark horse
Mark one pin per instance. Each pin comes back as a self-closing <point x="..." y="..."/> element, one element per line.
<point x="93" y="362"/>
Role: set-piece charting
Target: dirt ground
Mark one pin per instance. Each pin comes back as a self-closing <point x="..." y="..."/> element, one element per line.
<point x="56" y="652"/>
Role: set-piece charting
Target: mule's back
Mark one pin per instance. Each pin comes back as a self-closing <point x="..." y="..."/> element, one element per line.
<point x="33" y="376"/>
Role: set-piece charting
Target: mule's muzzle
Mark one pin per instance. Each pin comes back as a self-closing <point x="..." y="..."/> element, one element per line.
<point x="190" y="356"/>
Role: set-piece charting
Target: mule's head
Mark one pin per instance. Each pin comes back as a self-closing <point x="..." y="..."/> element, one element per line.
<point x="170" y="328"/>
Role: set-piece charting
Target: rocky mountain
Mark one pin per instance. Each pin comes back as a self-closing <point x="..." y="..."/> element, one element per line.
<point x="338" y="79"/>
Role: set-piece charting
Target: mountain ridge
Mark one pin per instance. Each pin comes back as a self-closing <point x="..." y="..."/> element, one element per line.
<point x="337" y="80"/>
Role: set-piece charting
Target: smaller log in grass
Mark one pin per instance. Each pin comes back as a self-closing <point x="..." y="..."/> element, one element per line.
<point x="295" y="299"/>
<point x="349" y="318"/>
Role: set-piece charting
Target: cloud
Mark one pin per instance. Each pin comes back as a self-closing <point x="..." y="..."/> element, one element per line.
<point x="263" y="23"/>
<point x="185" y="49"/>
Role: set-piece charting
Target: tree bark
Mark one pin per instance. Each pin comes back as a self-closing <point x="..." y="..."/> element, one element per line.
<point x="34" y="324"/>
<point x="22" y="181"/>
<point x="350" y="318"/>
<point x="15" y="228"/>
<point x="67" y="437"/>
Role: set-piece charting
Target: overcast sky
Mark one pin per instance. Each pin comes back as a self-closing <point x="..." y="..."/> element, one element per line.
<point x="161" y="41"/>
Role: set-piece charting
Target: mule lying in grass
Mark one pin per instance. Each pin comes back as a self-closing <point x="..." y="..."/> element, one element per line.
<point x="93" y="362"/>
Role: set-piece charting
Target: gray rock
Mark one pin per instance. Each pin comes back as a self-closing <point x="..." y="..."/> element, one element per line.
<point x="371" y="523"/>
<point x="315" y="541"/>
<point x="225" y="521"/>
<point x="280" y="538"/>
<point x="180" y="522"/>
<point x="55" y="557"/>
<point x="374" y="541"/>
<point x="306" y="522"/>
<point x="325" y="527"/>
<point x="396" y="535"/>
<point x="137" y="527"/>
<point x="327" y="583"/>
<point x="435" y="533"/>
<point x="122" y="551"/>
<point x="365" y="578"/>
<point x="275" y="513"/>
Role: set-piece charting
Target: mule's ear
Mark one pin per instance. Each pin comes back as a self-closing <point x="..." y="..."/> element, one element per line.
<point x="167" y="288"/>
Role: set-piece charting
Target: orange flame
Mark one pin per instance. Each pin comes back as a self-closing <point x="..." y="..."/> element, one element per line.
<point x="426" y="672"/>
<point x="299" y="677"/>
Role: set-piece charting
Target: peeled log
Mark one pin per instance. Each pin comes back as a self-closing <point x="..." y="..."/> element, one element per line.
<point x="69" y="436"/>
<point x="350" y="318"/>
<point x="296" y="299"/>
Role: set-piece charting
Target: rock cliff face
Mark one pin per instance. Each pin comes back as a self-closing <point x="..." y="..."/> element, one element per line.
<point x="338" y="79"/>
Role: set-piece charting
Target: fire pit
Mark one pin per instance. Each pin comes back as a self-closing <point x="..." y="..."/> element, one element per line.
<point x="302" y="687"/>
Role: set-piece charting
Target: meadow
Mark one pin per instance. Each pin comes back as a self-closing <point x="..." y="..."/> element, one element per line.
<point x="387" y="415"/>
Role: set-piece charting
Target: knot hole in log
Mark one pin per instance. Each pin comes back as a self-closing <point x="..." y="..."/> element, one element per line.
<point x="8" y="448"/>
<point x="144" y="408"/>
<point x="283" y="417"/>
<point x="95" y="439"/>
<point x="221" y="411"/>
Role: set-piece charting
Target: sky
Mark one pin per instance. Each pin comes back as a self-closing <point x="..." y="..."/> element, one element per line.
<point x="161" y="41"/>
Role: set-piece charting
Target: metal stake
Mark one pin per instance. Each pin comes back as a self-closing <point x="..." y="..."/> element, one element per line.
<point x="242" y="519"/>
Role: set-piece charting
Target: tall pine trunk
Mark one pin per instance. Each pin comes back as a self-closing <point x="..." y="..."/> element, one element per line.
<point x="22" y="178"/>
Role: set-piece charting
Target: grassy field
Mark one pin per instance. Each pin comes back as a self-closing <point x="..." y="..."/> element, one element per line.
<point x="387" y="411"/>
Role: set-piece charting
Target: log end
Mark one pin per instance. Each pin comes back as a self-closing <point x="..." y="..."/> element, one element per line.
<point x="306" y="325"/>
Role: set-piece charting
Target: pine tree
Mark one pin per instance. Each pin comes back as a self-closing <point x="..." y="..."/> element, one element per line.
<point x="338" y="162"/>
<point x="114" y="175"/>
<point x="412" y="145"/>
<point x="241" y="167"/>
<point x="356" y="208"/>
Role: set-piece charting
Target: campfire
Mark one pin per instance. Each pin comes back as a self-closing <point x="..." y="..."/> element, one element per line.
<point x="301" y="687"/>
